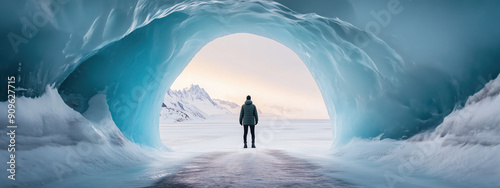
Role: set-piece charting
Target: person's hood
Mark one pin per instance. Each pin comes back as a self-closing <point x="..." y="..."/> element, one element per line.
<point x="248" y="102"/>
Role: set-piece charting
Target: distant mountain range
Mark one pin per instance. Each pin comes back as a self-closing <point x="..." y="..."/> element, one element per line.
<point x="193" y="103"/>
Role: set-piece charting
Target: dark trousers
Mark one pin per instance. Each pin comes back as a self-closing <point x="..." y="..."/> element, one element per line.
<point x="245" y="132"/>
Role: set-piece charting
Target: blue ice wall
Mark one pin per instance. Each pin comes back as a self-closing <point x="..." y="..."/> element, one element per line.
<point x="134" y="50"/>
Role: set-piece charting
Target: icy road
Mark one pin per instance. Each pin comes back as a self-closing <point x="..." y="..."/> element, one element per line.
<point x="250" y="168"/>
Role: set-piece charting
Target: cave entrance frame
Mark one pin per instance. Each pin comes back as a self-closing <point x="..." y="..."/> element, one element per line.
<point x="172" y="41"/>
<point x="163" y="48"/>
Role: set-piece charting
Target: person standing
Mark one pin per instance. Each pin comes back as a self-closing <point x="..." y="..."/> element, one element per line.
<point x="248" y="118"/>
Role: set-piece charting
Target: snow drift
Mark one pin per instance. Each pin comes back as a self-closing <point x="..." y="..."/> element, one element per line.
<point x="51" y="148"/>
<point x="461" y="152"/>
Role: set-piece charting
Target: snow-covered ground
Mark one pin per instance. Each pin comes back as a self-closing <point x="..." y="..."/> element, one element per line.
<point x="223" y="133"/>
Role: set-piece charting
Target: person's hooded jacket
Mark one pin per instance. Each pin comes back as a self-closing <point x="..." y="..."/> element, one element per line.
<point x="248" y="114"/>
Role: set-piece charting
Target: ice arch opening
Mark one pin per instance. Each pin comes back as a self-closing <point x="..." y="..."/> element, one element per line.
<point x="228" y="69"/>
<point x="361" y="78"/>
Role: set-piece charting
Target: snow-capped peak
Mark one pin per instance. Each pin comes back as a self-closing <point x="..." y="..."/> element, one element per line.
<point x="192" y="103"/>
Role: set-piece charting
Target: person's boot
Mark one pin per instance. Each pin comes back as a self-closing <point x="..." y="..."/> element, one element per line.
<point x="245" y="146"/>
<point x="253" y="145"/>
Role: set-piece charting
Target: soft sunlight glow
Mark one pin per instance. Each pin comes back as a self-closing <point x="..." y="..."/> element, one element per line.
<point x="234" y="66"/>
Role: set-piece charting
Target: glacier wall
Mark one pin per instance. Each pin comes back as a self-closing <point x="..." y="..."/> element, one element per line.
<point x="132" y="51"/>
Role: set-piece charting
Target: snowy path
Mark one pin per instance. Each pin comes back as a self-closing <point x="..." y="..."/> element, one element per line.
<point x="250" y="168"/>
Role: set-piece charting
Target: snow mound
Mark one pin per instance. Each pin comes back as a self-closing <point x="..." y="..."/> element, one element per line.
<point x="478" y="122"/>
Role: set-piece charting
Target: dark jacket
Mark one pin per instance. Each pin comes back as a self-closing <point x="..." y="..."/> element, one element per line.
<point x="248" y="114"/>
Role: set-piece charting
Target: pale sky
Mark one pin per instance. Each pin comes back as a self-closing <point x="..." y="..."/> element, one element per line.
<point x="234" y="66"/>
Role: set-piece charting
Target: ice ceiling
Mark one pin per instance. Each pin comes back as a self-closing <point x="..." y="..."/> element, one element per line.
<point x="132" y="51"/>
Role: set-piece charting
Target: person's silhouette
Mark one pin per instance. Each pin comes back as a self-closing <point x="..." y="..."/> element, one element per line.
<point x="248" y="118"/>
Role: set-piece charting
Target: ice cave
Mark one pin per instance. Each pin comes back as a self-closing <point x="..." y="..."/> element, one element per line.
<point x="397" y="70"/>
